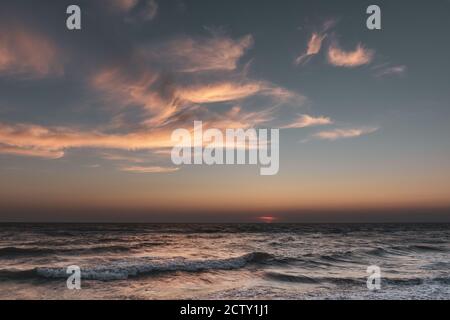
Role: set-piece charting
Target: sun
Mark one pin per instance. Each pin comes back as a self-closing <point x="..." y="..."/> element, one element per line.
<point x="267" y="219"/>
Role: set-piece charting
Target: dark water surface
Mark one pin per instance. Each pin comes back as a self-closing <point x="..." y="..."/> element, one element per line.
<point x="225" y="261"/>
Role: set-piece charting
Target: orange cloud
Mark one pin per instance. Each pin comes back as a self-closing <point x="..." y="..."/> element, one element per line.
<point x="219" y="92"/>
<point x="149" y="169"/>
<point x="313" y="48"/>
<point x="217" y="53"/>
<point x="305" y="120"/>
<point x="120" y="157"/>
<point x="31" y="152"/>
<point x="166" y="104"/>
<point x="360" y="56"/>
<point x="136" y="10"/>
<point x="27" y="52"/>
<point x="124" y="5"/>
<point x="343" y="133"/>
<point x="35" y="140"/>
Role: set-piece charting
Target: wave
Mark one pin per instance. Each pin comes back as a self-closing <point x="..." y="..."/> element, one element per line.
<point x="428" y="248"/>
<point x="403" y="250"/>
<point x="283" y="277"/>
<point x="123" y="269"/>
<point x="14" y="252"/>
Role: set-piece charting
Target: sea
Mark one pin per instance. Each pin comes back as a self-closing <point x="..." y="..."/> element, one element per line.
<point x="225" y="261"/>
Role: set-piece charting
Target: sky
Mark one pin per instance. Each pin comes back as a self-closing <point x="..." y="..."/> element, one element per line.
<point x="86" y="115"/>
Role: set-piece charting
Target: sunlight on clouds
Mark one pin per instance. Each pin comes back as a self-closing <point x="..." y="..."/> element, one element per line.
<point x="358" y="57"/>
<point x="305" y="120"/>
<point x="52" y="140"/>
<point x="146" y="9"/>
<point x="31" y="152"/>
<point x="28" y="53"/>
<point x="187" y="54"/>
<point x="167" y="102"/>
<point x="220" y="92"/>
<point x="124" y="5"/>
<point x="313" y="48"/>
<point x="150" y="169"/>
<point x="343" y="133"/>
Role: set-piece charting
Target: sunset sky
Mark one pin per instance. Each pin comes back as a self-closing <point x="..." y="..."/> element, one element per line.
<point x="86" y="115"/>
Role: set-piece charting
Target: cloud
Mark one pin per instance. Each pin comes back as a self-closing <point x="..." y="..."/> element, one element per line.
<point x="120" y="157"/>
<point x="358" y="57"/>
<point x="219" y="92"/>
<point x="167" y="100"/>
<point x="390" y="71"/>
<point x="136" y="10"/>
<point x="50" y="142"/>
<point x="146" y="89"/>
<point x="187" y="54"/>
<point x="343" y="133"/>
<point x="314" y="44"/>
<point x="208" y="86"/>
<point x="31" y="152"/>
<point x="313" y="48"/>
<point x="149" y="11"/>
<point x="149" y="169"/>
<point x="26" y="52"/>
<point x="124" y="5"/>
<point x="305" y="120"/>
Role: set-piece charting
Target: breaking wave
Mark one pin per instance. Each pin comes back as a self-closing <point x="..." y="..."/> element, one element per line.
<point x="123" y="269"/>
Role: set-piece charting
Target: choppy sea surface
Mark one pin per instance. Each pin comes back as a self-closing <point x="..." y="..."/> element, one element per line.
<point x="225" y="261"/>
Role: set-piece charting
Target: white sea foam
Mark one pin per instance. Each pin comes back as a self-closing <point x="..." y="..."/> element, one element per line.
<point x="122" y="269"/>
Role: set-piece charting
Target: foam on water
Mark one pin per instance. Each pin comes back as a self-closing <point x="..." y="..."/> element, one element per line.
<point x="123" y="269"/>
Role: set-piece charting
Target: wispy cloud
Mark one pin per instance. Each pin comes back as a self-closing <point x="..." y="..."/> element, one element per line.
<point x="200" y="54"/>
<point x="313" y="48"/>
<point x="149" y="169"/>
<point x="343" y="133"/>
<point x="27" y="52"/>
<point x="149" y="10"/>
<point x="387" y="71"/>
<point x="305" y="120"/>
<point x="220" y="92"/>
<point x="46" y="153"/>
<point x="124" y="5"/>
<point x="167" y="100"/>
<point x="314" y="44"/>
<point x="121" y="157"/>
<point x="350" y="59"/>
<point x="136" y="10"/>
<point x="50" y="142"/>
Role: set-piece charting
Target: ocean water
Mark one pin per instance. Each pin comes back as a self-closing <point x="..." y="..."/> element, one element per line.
<point x="224" y="261"/>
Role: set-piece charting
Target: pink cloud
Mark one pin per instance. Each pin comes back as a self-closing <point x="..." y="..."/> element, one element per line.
<point x="26" y="52"/>
<point x="358" y="57"/>
<point x="216" y="53"/>
<point x="149" y="169"/>
<point x="305" y="120"/>
<point x="313" y="48"/>
<point x="343" y="133"/>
